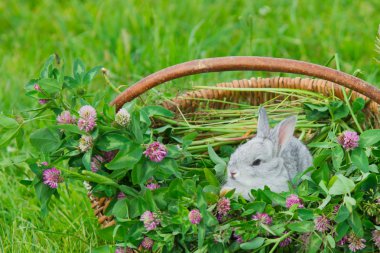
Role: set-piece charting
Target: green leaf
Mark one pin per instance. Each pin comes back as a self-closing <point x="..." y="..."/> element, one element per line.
<point x="86" y="159"/>
<point x="339" y="185"/>
<point x="112" y="141"/>
<point x="45" y="140"/>
<point x="356" y="224"/>
<point x="7" y="135"/>
<point x="331" y="241"/>
<point x="126" y="158"/>
<point x="275" y="197"/>
<point x="176" y="189"/>
<point x="305" y="214"/>
<point x="322" y="145"/>
<point x="321" y="158"/>
<point x="201" y="234"/>
<point x="120" y="209"/>
<point x="50" y="85"/>
<point x="8" y="123"/>
<point x="370" y="182"/>
<point x="314" y="243"/>
<point x="78" y="69"/>
<point x="360" y="159"/>
<point x="155" y="110"/>
<point x="47" y="66"/>
<point x="320" y="108"/>
<point x="338" y="110"/>
<point x="214" y="157"/>
<point x="103" y="249"/>
<point x="143" y="171"/>
<point x="257" y="206"/>
<point x="302" y="226"/>
<point x="188" y="139"/>
<point x="369" y="138"/>
<point x="254" y="244"/>
<point x="358" y="104"/>
<point x="91" y="74"/>
<point x="321" y="174"/>
<point x="136" y="128"/>
<point x="210" y="177"/>
<point x="341" y="230"/>
<point x="342" y="214"/>
<point x="337" y="155"/>
<point x="350" y="202"/>
<point x="325" y="202"/>
<point x="69" y="128"/>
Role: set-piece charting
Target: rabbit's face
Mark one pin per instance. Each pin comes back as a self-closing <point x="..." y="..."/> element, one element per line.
<point x="258" y="162"/>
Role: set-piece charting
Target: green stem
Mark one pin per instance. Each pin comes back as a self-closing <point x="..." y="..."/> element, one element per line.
<point x="346" y="98"/>
<point x="351" y="111"/>
<point x="280" y="240"/>
<point x="109" y="83"/>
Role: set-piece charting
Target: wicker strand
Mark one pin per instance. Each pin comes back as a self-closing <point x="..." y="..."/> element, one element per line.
<point x="188" y="101"/>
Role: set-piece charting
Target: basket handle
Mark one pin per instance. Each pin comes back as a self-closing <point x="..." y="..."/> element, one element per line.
<point x="246" y="63"/>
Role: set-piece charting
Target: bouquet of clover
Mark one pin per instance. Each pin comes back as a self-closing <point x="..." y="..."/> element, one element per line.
<point x="162" y="174"/>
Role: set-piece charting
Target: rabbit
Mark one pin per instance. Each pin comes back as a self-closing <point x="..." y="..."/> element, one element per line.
<point x="272" y="158"/>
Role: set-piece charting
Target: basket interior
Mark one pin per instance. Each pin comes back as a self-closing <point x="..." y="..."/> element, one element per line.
<point x="243" y="97"/>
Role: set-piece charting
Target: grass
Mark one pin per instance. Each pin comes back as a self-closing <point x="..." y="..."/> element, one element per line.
<point x="135" y="38"/>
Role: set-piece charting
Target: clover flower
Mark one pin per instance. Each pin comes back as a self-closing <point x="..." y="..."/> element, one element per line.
<point x="86" y="125"/>
<point x="336" y="209"/>
<point x="37" y="87"/>
<point x="109" y="155"/>
<point x="152" y="186"/>
<point x="156" y="152"/>
<point x="223" y="206"/>
<point x="96" y="163"/>
<point x="262" y="218"/>
<point x="286" y="241"/>
<point x="65" y="118"/>
<point x="195" y="216"/>
<point x="150" y="220"/>
<point x="293" y="200"/>
<point x="376" y="237"/>
<point x="237" y="238"/>
<point x="147" y="243"/>
<point x="305" y="238"/>
<point x="123" y="250"/>
<point x="356" y="243"/>
<point x="343" y="241"/>
<point x="122" y="117"/>
<point x="85" y="143"/>
<point x="43" y="101"/>
<point x="87" y="111"/>
<point x="121" y="195"/>
<point x="349" y="140"/>
<point x="120" y="250"/>
<point x="44" y="163"/>
<point x="322" y="223"/>
<point x="87" y="120"/>
<point x="52" y="177"/>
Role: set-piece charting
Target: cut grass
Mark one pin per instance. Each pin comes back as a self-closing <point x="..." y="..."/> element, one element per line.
<point x="135" y="38"/>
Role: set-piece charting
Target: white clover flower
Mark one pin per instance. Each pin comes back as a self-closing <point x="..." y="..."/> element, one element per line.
<point x="122" y="117"/>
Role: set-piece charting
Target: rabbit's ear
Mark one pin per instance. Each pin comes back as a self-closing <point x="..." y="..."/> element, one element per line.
<point x="284" y="132"/>
<point x="263" y="128"/>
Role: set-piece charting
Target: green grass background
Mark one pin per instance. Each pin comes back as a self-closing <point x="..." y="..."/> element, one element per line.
<point x="135" y="38"/>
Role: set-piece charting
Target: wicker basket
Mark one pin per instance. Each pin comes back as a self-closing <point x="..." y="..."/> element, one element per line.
<point x="329" y="81"/>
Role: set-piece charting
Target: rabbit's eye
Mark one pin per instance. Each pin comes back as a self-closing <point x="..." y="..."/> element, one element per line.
<point x="256" y="162"/>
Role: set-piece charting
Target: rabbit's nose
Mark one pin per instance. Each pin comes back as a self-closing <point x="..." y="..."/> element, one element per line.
<point x="233" y="174"/>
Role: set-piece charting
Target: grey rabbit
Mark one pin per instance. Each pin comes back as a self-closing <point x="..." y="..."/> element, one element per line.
<point x="272" y="158"/>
